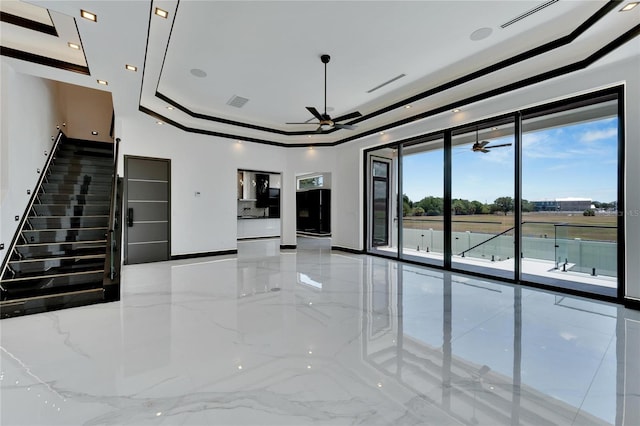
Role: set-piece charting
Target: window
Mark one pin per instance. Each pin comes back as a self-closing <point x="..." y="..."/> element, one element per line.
<point x="536" y="202"/>
<point x="311" y="182"/>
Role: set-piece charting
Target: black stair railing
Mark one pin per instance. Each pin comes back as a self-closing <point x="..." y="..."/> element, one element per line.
<point x="114" y="234"/>
<point x="462" y="253"/>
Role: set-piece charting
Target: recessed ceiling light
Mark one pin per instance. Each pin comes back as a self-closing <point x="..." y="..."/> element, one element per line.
<point x="629" y="6"/>
<point x="73" y="46"/>
<point x="103" y="82"/>
<point x="88" y="15"/>
<point x="159" y="123"/>
<point x="170" y="108"/>
<point x="310" y="149"/>
<point x="407" y="106"/>
<point x="309" y="136"/>
<point x="94" y="133"/>
<point x="161" y="13"/>
<point x="456" y="110"/>
<point x="494" y="128"/>
<point x="131" y="67"/>
<point x="381" y="133"/>
<point x="239" y="142"/>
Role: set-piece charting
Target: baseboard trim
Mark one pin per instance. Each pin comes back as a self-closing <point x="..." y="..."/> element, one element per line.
<point x="347" y="250"/>
<point x="632" y="303"/>
<point x="288" y="246"/>
<point x="203" y="254"/>
<point x="267" y="237"/>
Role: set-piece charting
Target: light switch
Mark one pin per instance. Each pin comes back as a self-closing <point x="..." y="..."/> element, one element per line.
<point x="197" y="193"/>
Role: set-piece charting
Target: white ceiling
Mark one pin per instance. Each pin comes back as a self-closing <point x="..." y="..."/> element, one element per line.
<point x="269" y="52"/>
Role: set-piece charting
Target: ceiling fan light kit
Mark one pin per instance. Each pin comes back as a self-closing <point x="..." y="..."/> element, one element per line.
<point x="325" y="122"/>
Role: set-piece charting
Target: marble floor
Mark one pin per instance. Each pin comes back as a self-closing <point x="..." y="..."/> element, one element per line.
<point x="311" y="336"/>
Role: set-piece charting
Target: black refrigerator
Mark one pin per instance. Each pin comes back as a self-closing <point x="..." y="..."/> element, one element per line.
<point x="314" y="211"/>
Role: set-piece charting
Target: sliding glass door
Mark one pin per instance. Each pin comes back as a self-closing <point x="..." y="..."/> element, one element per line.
<point x="482" y="199"/>
<point x="423" y="201"/>
<point x="534" y="196"/>
<point x="570" y="196"/>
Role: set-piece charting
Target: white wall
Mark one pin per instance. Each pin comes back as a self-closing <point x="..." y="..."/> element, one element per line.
<point x="27" y="125"/>
<point x="208" y="165"/>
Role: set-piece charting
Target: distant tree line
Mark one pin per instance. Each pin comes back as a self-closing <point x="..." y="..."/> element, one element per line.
<point x="434" y="206"/>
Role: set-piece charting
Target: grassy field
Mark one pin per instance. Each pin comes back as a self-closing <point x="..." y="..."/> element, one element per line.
<point x="595" y="228"/>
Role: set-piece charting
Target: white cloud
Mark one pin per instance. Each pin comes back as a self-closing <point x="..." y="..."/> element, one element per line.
<point x="597" y="135"/>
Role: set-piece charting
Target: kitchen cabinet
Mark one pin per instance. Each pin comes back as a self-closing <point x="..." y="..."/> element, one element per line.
<point x="258" y="227"/>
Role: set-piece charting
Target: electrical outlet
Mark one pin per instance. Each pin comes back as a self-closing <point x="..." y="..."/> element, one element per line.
<point x="28" y="192"/>
<point x="45" y="152"/>
<point x="1" y="246"/>
<point x="17" y="218"/>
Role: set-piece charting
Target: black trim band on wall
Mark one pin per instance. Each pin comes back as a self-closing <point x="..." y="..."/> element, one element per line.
<point x="203" y="254"/>
<point x="43" y="60"/>
<point x="288" y="246"/>
<point x="28" y="24"/>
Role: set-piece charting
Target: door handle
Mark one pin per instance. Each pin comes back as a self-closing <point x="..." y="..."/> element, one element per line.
<point x="130" y="217"/>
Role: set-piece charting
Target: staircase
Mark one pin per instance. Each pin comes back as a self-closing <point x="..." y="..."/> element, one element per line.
<point x="58" y="256"/>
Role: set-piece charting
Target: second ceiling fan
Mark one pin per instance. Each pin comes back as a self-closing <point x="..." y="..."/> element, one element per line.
<point x="325" y="122"/>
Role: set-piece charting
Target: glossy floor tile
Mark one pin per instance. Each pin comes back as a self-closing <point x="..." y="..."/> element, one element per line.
<point x="310" y="336"/>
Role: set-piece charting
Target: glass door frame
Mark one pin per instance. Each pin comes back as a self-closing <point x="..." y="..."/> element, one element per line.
<point x="516" y="117"/>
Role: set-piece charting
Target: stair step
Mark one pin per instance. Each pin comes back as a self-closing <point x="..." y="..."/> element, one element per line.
<point x="67" y="179"/>
<point x="58" y="222"/>
<point x="76" y="275"/>
<point x="51" y="283"/>
<point x="75" y="188"/>
<point x="70" y="209"/>
<point x="47" y="250"/>
<point x="37" y="302"/>
<point x="100" y="161"/>
<point x="76" y="198"/>
<point x="79" y="151"/>
<point x="63" y="235"/>
<point x="31" y="268"/>
<point x="89" y="175"/>
<point x="81" y="168"/>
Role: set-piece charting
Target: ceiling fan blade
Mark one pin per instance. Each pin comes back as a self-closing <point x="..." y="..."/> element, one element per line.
<point x="315" y="113"/>
<point x="349" y="116"/>
<point x="345" y="126"/>
<point x="499" y="146"/>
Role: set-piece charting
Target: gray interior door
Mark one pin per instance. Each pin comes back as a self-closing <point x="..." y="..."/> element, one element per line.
<point x="147" y="225"/>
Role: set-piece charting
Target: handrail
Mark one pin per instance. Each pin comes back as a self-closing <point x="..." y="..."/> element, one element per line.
<point x="112" y="242"/>
<point x="34" y="196"/>
<point x="486" y="241"/>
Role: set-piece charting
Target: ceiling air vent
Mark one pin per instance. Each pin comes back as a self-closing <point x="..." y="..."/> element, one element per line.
<point x="237" y="101"/>
<point x="386" y="82"/>
<point x="528" y="13"/>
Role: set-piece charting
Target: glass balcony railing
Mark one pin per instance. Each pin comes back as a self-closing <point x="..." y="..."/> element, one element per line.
<point x="589" y="249"/>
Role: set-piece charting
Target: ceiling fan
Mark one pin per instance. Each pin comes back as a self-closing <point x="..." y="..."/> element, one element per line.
<point x="325" y="122"/>
<point x="481" y="146"/>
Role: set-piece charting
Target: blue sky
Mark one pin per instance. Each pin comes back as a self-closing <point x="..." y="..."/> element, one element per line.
<point x="571" y="161"/>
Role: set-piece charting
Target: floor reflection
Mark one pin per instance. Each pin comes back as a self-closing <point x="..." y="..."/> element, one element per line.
<point x="489" y="353"/>
<point x="315" y="336"/>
